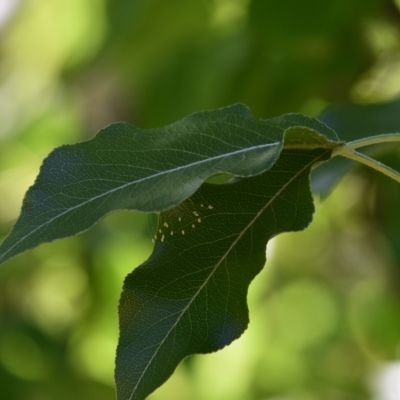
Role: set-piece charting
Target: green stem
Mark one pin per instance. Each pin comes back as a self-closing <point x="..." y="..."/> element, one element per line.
<point x="370" y="162"/>
<point x="391" y="137"/>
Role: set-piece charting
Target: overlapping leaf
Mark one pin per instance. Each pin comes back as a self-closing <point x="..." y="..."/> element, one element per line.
<point x="190" y="296"/>
<point x="127" y="168"/>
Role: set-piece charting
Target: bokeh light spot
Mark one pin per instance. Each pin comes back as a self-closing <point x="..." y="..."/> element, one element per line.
<point x="21" y="356"/>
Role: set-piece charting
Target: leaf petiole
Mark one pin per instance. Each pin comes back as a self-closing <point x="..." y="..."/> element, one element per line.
<point x="378" y="139"/>
<point x="370" y="162"/>
<point x="348" y="151"/>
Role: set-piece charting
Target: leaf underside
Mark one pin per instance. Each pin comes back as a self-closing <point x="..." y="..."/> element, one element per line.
<point x="190" y="295"/>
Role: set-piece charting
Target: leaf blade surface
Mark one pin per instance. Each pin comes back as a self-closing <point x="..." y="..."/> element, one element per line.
<point x="190" y="296"/>
<point x="127" y="168"/>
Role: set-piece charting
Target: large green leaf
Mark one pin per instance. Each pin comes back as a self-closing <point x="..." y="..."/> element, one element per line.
<point x="190" y="296"/>
<point x="124" y="167"/>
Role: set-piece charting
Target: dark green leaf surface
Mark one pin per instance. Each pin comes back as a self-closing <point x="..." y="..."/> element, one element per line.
<point x="127" y="168"/>
<point x="190" y="296"/>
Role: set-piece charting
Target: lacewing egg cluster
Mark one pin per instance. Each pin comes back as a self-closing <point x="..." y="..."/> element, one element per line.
<point x="179" y="223"/>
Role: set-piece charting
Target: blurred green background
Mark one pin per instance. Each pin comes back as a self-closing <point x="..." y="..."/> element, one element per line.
<point x="325" y="312"/>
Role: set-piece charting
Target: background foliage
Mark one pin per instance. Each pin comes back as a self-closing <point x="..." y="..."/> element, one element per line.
<point x="324" y="312"/>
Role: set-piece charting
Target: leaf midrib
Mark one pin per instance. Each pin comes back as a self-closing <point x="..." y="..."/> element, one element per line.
<point x="284" y="187"/>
